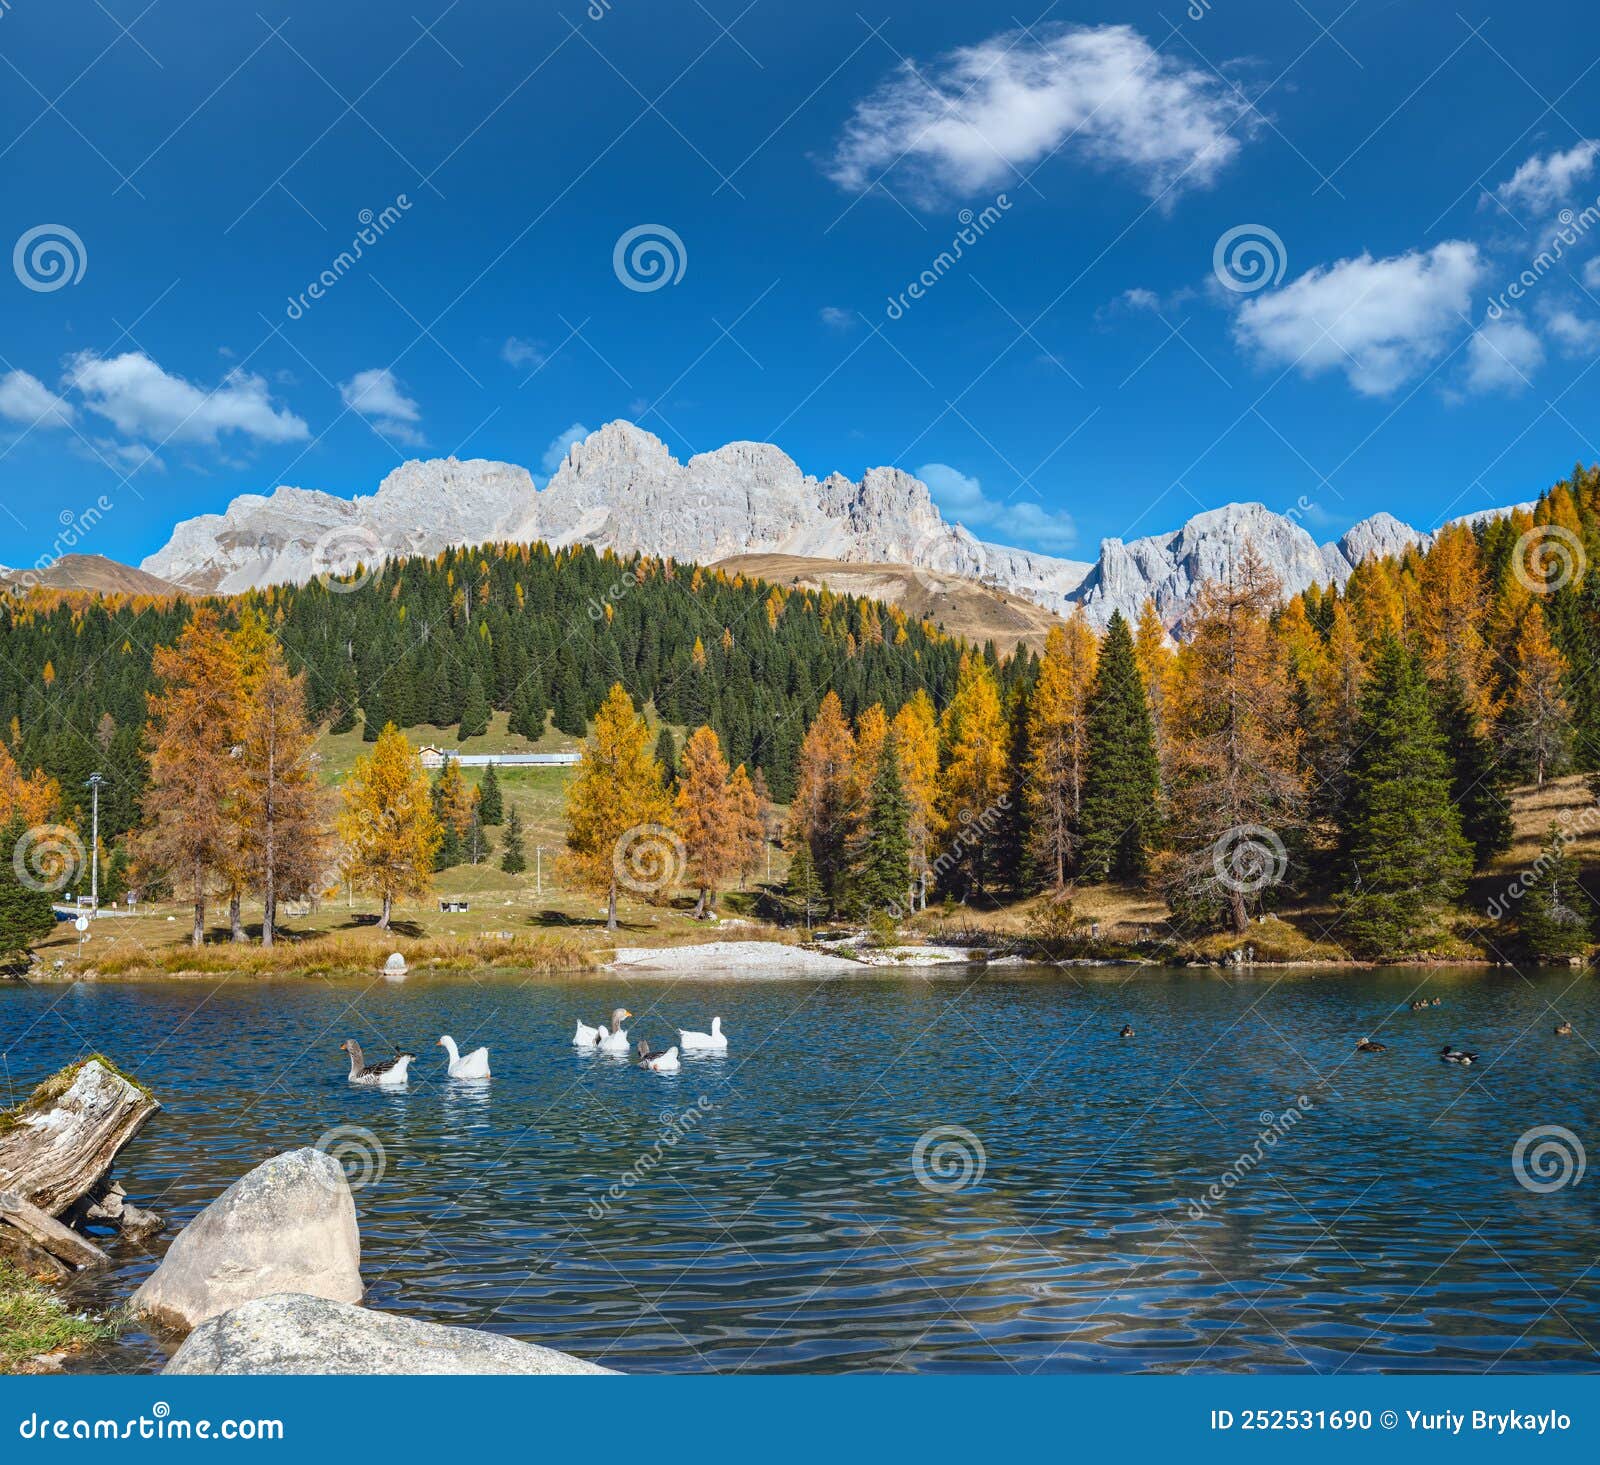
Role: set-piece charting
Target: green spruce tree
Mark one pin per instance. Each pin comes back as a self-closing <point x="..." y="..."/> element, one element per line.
<point x="1551" y="920"/>
<point x="1478" y="783"/>
<point x="474" y="711"/>
<point x="491" y="804"/>
<point x="881" y="879"/>
<point x="25" y="914"/>
<point x="802" y="885"/>
<point x="1120" y="813"/>
<point x="513" y="859"/>
<point x="667" y="755"/>
<point x="1402" y="858"/>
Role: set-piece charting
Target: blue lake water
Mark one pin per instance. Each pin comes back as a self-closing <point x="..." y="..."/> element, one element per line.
<point x="1056" y="1221"/>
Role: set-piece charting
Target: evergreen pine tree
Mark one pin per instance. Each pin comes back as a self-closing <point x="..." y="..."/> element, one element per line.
<point x="475" y="843"/>
<point x="1551" y="920"/>
<point x="25" y="914"/>
<point x="491" y="803"/>
<point x="513" y="859"/>
<point x="1402" y="856"/>
<point x="881" y="880"/>
<point x="570" y="713"/>
<point x="1477" y="781"/>
<point x="474" y="711"/>
<point x="1120" y="787"/>
<point x="802" y="885"/>
<point x="667" y="755"/>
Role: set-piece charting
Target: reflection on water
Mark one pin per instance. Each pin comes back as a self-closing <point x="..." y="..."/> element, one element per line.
<point x="568" y="1201"/>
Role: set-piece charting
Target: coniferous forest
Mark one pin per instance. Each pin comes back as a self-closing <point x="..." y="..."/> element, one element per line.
<point x="1356" y="746"/>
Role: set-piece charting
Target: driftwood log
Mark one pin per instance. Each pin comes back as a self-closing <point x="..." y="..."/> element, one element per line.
<point x="56" y="1152"/>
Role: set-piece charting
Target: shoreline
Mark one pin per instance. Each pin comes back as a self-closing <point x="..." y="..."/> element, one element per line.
<point x="752" y="959"/>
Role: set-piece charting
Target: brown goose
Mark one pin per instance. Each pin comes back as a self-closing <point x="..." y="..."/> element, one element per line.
<point x="390" y="1074"/>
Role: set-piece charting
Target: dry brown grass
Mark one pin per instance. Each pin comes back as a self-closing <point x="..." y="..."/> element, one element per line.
<point x="349" y="953"/>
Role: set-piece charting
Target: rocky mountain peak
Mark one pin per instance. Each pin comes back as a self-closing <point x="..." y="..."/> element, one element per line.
<point x="622" y="488"/>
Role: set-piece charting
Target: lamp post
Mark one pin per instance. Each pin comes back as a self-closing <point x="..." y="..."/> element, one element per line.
<point x="95" y="780"/>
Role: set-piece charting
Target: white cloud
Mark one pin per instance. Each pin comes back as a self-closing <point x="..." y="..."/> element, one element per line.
<point x="971" y="118"/>
<point x="1380" y="321"/>
<point x="961" y="498"/>
<point x="1574" y="334"/>
<point x="28" y="400"/>
<point x="1543" y="184"/>
<point x="141" y="400"/>
<point x="1138" y="298"/>
<point x="377" y="395"/>
<point x="1591" y="273"/>
<point x="840" y="320"/>
<point x="1502" y="355"/>
<point x="517" y="352"/>
<point x="557" y="450"/>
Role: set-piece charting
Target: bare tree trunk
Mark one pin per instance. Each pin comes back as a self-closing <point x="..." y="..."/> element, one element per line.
<point x="388" y="910"/>
<point x="611" y="908"/>
<point x="197" y="935"/>
<point x="56" y="1153"/>
<point x="235" y="917"/>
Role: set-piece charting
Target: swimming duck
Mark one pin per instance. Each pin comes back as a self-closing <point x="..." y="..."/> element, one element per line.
<point x="1438" y="1002"/>
<point x="1457" y="1055"/>
<point x="1366" y="1045"/>
<point x="657" y="1062"/>
<point x="474" y="1065"/>
<point x="614" y="1039"/>
<point x="1127" y="1030"/>
<point x="390" y="1074"/>
<point x="716" y="1041"/>
<point x="1563" y="1029"/>
<point x="1420" y="1005"/>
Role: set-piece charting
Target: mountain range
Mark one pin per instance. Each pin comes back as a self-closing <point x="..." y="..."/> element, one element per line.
<point x="621" y="489"/>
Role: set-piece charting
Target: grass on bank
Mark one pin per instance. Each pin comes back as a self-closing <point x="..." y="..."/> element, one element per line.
<point x="34" y="1322"/>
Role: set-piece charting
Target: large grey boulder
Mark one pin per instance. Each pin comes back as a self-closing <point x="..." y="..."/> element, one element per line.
<point x="289" y="1225"/>
<point x="297" y="1334"/>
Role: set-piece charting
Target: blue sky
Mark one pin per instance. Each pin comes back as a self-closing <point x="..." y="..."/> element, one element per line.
<point x="1093" y="363"/>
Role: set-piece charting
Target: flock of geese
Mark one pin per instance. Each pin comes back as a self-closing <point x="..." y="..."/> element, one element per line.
<point x="392" y="1073"/>
<point x="614" y="1039"/>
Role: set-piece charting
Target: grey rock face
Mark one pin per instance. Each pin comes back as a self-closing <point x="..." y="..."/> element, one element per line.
<point x="296" y="1334"/>
<point x="621" y="489"/>
<point x="289" y="1225"/>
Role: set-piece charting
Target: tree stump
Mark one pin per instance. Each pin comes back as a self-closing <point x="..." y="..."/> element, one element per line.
<point x="56" y="1152"/>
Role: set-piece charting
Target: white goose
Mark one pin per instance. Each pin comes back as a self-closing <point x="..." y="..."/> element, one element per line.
<point x="615" y="1038"/>
<point x="388" y="1075"/>
<point x="657" y="1062"/>
<point x="474" y="1065"/>
<point x="716" y="1041"/>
